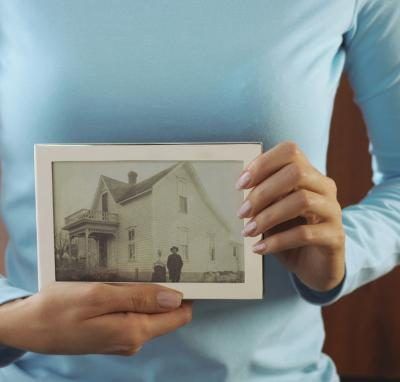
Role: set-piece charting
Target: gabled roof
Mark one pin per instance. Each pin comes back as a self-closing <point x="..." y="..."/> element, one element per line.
<point x="121" y="191"/>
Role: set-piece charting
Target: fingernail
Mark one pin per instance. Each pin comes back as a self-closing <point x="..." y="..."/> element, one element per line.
<point x="243" y="180"/>
<point x="249" y="227"/>
<point x="169" y="300"/>
<point x="258" y="247"/>
<point x="244" y="209"/>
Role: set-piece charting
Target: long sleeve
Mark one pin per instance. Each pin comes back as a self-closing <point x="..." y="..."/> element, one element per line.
<point x="9" y="293"/>
<point x="373" y="226"/>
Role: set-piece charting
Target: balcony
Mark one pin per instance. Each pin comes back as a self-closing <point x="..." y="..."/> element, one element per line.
<point x="90" y="218"/>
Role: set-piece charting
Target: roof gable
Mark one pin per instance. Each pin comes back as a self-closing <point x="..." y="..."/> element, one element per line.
<point x="117" y="188"/>
<point x="122" y="191"/>
<point x="145" y="185"/>
<point x="190" y="170"/>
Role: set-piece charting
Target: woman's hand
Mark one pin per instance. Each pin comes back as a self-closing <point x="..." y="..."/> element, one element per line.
<point x="87" y="318"/>
<point x="296" y="209"/>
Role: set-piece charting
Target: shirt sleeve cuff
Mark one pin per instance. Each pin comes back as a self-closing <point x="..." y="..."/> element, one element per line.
<point x="8" y="355"/>
<point x="353" y="264"/>
<point x="9" y="293"/>
<point x="316" y="297"/>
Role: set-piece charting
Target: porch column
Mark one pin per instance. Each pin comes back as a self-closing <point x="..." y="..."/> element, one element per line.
<point x="69" y="245"/>
<point x="87" y="248"/>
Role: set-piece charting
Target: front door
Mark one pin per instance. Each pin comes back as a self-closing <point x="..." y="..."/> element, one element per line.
<point x="102" y="252"/>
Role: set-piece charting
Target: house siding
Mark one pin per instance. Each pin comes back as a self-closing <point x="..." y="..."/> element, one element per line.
<point x="136" y="214"/>
<point x="112" y="247"/>
<point x="200" y="222"/>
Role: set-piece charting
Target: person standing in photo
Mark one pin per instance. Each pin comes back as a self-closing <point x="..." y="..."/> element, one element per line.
<point x="159" y="270"/>
<point x="174" y="265"/>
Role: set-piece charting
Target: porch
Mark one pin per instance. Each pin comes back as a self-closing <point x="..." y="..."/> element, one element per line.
<point x="92" y="235"/>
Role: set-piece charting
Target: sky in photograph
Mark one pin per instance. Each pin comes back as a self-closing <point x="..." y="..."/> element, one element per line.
<point x="75" y="184"/>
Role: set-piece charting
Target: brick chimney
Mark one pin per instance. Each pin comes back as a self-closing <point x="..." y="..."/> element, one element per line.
<point x="132" y="176"/>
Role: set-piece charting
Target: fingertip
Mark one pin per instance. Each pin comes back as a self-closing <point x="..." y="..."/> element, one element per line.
<point x="188" y="311"/>
<point x="244" y="180"/>
<point x="260" y="247"/>
<point x="168" y="299"/>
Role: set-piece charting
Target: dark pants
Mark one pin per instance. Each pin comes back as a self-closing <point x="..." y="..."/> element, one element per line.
<point x="175" y="276"/>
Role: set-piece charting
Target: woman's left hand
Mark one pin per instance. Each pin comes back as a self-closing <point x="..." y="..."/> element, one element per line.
<point x="296" y="209"/>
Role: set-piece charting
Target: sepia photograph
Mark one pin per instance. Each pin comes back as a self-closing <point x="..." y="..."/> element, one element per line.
<point x="145" y="217"/>
<point x="147" y="221"/>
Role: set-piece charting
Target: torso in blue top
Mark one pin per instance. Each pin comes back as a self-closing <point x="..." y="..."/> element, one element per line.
<point x="144" y="71"/>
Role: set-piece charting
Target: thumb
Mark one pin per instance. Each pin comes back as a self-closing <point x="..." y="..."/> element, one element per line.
<point x="139" y="298"/>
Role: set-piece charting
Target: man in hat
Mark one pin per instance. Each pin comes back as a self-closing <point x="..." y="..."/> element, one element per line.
<point x="174" y="265"/>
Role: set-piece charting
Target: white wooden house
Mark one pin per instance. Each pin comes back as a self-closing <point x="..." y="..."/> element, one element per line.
<point x="130" y="223"/>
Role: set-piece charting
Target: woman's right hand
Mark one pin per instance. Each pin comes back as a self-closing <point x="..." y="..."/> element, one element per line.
<point x="92" y="318"/>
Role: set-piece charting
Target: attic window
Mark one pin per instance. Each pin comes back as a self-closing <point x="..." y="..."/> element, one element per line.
<point x="183" y="204"/>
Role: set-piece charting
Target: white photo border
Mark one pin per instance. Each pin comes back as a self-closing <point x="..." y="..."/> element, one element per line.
<point x="46" y="154"/>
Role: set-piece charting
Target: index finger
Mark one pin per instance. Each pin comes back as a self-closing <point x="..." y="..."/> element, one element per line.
<point x="268" y="163"/>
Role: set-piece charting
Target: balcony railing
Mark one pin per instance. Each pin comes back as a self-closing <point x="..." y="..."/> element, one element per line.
<point x="92" y="215"/>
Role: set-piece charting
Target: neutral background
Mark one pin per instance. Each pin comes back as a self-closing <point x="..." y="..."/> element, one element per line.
<point x="363" y="329"/>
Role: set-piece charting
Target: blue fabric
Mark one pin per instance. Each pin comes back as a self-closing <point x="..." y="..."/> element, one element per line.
<point x="164" y="71"/>
<point x="317" y="297"/>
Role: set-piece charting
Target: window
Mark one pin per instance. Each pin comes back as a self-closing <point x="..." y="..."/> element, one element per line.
<point x="234" y="251"/>
<point x="104" y="202"/>
<point x="131" y="244"/>
<point x="182" y="195"/>
<point x="183" y="204"/>
<point x="132" y="255"/>
<point x="183" y="242"/>
<point x="131" y="234"/>
<point x="185" y="251"/>
<point x="182" y="186"/>
<point x="211" y="246"/>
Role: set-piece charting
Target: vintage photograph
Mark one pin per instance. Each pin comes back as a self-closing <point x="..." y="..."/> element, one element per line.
<point x="147" y="213"/>
<point x="158" y="221"/>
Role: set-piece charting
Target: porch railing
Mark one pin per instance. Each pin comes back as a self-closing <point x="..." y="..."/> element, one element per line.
<point x="98" y="216"/>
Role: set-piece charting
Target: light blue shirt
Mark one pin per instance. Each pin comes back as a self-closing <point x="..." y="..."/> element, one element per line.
<point x="143" y="71"/>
